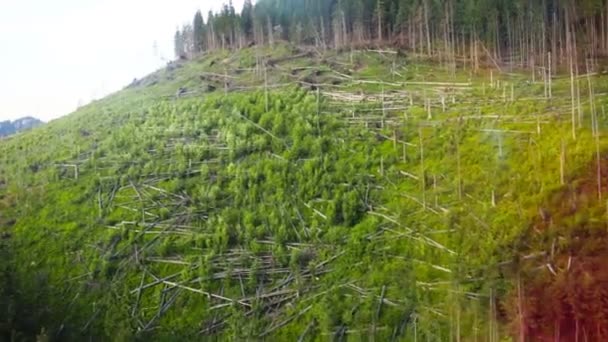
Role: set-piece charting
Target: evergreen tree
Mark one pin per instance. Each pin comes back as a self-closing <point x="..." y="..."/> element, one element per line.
<point x="247" y="20"/>
<point x="199" y="32"/>
<point x="178" y="44"/>
<point x="211" y="31"/>
<point x="473" y="28"/>
<point x="188" y="40"/>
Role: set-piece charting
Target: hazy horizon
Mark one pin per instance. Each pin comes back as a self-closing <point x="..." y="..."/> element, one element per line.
<point x="57" y="55"/>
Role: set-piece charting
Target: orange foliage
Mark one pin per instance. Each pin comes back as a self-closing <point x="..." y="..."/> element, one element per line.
<point x="563" y="295"/>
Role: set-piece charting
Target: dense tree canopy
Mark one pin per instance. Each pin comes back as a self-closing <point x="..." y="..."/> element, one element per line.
<point x="516" y="31"/>
<point x="199" y="32"/>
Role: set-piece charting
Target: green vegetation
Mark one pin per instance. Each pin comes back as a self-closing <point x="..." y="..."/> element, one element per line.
<point x="547" y="34"/>
<point x="356" y="195"/>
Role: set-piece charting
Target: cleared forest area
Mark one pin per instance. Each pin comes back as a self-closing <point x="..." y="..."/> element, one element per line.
<point x="288" y="194"/>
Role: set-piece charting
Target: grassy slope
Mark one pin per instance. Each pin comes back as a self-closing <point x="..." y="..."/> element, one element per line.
<point x="280" y="214"/>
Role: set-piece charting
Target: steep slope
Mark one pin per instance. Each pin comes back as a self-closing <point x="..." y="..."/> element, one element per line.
<point x="11" y="127"/>
<point x="261" y="195"/>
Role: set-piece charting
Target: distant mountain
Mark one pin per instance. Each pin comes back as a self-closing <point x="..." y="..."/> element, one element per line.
<point x="11" y="127"/>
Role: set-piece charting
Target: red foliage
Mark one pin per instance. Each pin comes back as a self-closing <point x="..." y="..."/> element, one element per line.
<point x="572" y="303"/>
<point x="563" y="296"/>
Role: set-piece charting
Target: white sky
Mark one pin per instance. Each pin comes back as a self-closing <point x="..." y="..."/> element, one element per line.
<point x="57" y="54"/>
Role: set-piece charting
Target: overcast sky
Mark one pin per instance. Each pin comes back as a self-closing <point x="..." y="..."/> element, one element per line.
<point x="57" y="54"/>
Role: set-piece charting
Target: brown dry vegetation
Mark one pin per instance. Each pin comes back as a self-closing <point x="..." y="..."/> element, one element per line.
<point x="562" y="290"/>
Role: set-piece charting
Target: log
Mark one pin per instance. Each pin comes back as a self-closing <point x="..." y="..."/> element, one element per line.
<point x="208" y="294"/>
<point x="285" y="322"/>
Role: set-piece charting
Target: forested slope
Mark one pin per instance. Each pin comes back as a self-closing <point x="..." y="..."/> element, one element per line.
<point x="543" y="34"/>
<point x="355" y="195"/>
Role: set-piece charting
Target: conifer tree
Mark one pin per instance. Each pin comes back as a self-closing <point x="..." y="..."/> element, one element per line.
<point x="247" y="20"/>
<point x="199" y="32"/>
<point x="179" y="44"/>
<point x="475" y="30"/>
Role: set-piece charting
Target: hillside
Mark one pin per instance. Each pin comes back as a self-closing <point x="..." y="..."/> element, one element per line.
<point x="11" y="127"/>
<point x="290" y="195"/>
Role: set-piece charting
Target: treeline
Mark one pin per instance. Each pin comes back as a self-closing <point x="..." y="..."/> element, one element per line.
<point x="520" y="32"/>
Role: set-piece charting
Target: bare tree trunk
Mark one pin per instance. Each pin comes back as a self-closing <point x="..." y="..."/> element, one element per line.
<point x="420" y="30"/>
<point x="428" y="31"/>
<point x="571" y="62"/>
<point x="337" y="32"/>
<point x="520" y="295"/>
<point x="358" y="33"/>
<point x="544" y="38"/>
<point x="344" y="30"/>
<point x="422" y="173"/>
<point x="270" y="32"/>
<point x="596" y="134"/>
<point x="475" y="51"/>
<point x="323" y="41"/>
<point x="605" y="28"/>
<point x="379" y="11"/>
<point x="414" y="34"/>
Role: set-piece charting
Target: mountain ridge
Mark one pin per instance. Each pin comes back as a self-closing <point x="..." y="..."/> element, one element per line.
<point x="9" y="127"/>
